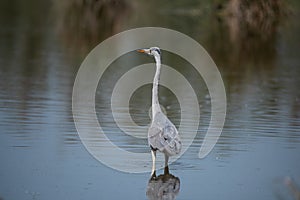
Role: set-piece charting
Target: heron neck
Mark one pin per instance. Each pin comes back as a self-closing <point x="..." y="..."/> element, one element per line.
<point x="155" y="102"/>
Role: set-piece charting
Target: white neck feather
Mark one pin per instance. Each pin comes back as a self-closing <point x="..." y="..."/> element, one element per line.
<point x="155" y="102"/>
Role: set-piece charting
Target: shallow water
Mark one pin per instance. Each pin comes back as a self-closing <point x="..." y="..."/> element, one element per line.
<point x="42" y="156"/>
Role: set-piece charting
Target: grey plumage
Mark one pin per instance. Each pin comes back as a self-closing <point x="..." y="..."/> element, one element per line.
<point x="162" y="135"/>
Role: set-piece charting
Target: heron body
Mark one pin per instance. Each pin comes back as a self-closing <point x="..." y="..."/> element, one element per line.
<point x="162" y="134"/>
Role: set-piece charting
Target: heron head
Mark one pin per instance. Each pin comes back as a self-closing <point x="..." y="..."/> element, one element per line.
<point x="152" y="51"/>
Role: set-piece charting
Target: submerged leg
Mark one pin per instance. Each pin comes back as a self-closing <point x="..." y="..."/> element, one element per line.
<point x="166" y="160"/>
<point x="166" y="170"/>
<point x="153" y="153"/>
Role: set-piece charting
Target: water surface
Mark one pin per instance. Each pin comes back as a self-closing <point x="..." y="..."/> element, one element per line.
<point x="42" y="156"/>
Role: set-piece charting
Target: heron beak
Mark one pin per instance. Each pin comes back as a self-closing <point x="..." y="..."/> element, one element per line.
<point x="144" y="51"/>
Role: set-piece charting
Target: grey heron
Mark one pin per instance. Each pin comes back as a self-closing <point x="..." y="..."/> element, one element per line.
<point x="162" y="134"/>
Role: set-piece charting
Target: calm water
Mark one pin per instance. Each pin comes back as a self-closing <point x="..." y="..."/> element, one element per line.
<point x="42" y="156"/>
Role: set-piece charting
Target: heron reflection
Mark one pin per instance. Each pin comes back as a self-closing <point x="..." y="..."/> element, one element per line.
<point x="163" y="187"/>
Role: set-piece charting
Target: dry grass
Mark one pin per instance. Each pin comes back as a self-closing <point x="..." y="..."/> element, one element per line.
<point x="84" y="23"/>
<point x="257" y="17"/>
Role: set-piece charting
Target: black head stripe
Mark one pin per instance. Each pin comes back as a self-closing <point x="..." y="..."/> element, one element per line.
<point x="158" y="51"/>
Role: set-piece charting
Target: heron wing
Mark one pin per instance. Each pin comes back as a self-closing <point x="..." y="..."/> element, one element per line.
<point x="154" y="138"/>
<point x="172" y="140"/>
<point x="164" y="136"/>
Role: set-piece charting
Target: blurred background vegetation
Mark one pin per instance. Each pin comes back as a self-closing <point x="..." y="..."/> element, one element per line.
<point x="248" y="28"/>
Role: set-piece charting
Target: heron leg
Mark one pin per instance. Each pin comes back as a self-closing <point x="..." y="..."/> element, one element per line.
<point x="166" y="170"/>
<point x="166" y="160"/>
<point x="153" y="153"/>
